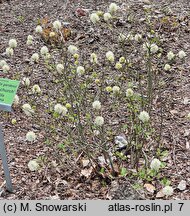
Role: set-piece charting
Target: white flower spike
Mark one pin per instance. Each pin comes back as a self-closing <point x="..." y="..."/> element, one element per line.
<point x="99" y="121"/>
<point x="30" y="136"/>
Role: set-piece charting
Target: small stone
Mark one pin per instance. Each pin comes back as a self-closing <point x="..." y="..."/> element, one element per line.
<point x="182" y="185"/>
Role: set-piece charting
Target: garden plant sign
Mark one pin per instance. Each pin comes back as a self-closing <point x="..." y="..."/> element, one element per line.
<point x="8" y="89"/>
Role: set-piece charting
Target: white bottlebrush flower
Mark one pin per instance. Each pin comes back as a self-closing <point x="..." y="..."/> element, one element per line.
<point x="167" y="67"/>
<point x="94" y="18"/>
<point x="170" y="55"/>
<point x="16" y="100"/>
<point x="35" y="57"/>
<point x="80" y="70"/>
<point x="2" y="63"/>
<point x="9" y="51"/>
<point x="12" y="43"/>
<point x="110" y="56"/>
<point x="30" y="37"/>
<point x="130" y="37"/>
<point x="118" y="66"/>
<point x="27" y="109"/>
<point x="181" y="54"/>
<point x="155" y="164"/>
<point x="116" y="89"/>
<point x="26" y="81"/>
<point x="39" y="29"/>
<point x="72" y="49"/>
<point x="13" y="121"/>
<point x="44" y="51"/>
<point x="122" y="37"/>
<point x="36" y="89"/>
<point x="113" y="8"/>
<point x="68" y="105"/>
<point x="59" y="68"/>
<point x="138" y="37"/>
<point x="96" y="105"/>
<point x="109" y="89"/>
<point x="107" y="17"/>
<point x="6" y="68"/>
<point x="60" y="109"/>
<point x="76" y="56"/>
<point x="29" y="42"/>
<point x="129" y="92"/>
<point x="93" y="58"/>
<point x="99" y="121"/>
<point x="167" y="190"/>
<point x="52" y="34"/>
<point x="30" y="136"/>
<point x="153" y="48"/>
<point x="144" y="116"/>
<point x="122" y="60"/>
<point x="33" y="165"/>
<point x="57" y="25"/>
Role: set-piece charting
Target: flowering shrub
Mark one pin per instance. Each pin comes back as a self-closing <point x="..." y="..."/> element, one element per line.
<point x="101" y="104"/>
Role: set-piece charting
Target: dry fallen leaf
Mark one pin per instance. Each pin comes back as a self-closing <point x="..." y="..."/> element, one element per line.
<point x="80" y="12"/>
<point x="160" y="194"/>
<point x="150" y="188"/>
<point x="85" y="163"/>
<point x="86" y="172"/>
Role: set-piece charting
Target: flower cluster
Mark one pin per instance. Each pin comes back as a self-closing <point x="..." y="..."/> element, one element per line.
<point x="94" y="18"/>
<point x="36" y="89"/>
<point x="155" y="164"/>
<point x="30" y="136"/>
<point x="26" y="81"/>
<point x="96" y="105"/>
<point x="60" y="109"/>
<point x="99" y="121"/>
<point x="5" y="67"/>
<point x="113" y="8"/>
<point x="167" y="190"/>
<point x="129" y="92"/>
<point x="144" y="116"/>
<point x="29" y="40"/>
<point x="16" y="100"/>
<point x="107" y="16"/>
<point x="35" y="57"/>
<point x="57" y="25"/>
<point x="33" y="165"/>
<point x="60" y="68"/>
<point x="110" y="56"/>
<point x="39" y="29"/>
<point x="80" y="70"/>
<point x="27" y="109"/>
<point x="93" y="58"/>
<point x="72" y="49"/>
<point x="12" y="43"/>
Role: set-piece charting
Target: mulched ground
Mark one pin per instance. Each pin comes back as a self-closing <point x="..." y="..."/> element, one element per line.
<point x="19" y="19"/>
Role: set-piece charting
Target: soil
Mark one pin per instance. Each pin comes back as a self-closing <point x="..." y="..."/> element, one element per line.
<point x="18" y="19"/>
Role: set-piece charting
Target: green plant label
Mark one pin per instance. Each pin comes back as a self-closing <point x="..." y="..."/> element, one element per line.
<point x="8" y="89"/>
